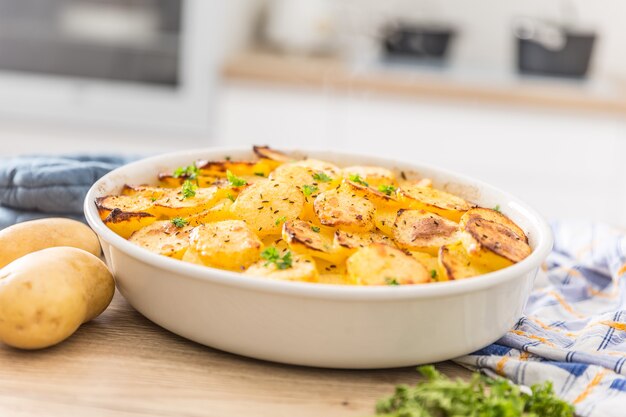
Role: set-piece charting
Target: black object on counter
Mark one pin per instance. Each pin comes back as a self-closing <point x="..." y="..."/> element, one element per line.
<point x="553" y="50"/>
<point x="413" y="40"/>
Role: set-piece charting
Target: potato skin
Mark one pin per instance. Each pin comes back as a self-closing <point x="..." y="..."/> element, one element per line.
<point x="23" y="238"/>
<point x="46" y="295"/>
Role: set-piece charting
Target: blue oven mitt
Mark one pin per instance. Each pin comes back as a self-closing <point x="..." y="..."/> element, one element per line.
<point x="45" y="186"/>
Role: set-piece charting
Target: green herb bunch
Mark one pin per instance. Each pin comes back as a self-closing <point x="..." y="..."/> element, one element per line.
<point x="439" y="396"/>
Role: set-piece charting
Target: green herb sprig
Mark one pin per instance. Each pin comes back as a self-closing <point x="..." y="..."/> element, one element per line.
<point x="481" y="396"/>
<point x="190" y="172"/>
<point x="272" y="256"/>
<point x="234" y="180"/>
<point x="321" y="177"/>
<point x="189" y="189"/>
<point x="179" y="222"/>
<point x="309" y="189"/>
<point x="387" y="189"/>
<point x="357" y="178"/>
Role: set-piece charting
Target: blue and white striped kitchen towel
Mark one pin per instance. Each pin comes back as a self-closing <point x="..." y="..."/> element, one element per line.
<point x="573" y="332"/>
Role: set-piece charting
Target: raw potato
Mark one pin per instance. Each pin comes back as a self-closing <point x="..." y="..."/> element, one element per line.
<point x="23" y="238"/>
<point x="46" y="295"/>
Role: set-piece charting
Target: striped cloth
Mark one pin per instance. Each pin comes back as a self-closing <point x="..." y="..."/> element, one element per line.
<point x="573" y="332"/>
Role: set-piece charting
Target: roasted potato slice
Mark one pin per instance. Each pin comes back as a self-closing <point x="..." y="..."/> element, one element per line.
<point x="268" y="153"/>
<point x="380" y="264"/>
<point x="260" y="168"/>
<point x="302" y="269"/>
<point x="164" y="237"/>
<point x="264" y="204"/>
<point x="305" y="238"/>
<point x="492" y="244"/>
<point x="170" y="181"/>
<point x="317" y="175"/>
<point x="423" y="231"/>
<point x="351" y="240"/>
<point x="145" y="191"/>
<point x="372" y="175"/>
<point x="494" y="216"/>
<point x="384" y="195"/>
<point x="218" y="212"/>
<point x="229" y="244"/>
<point x="455" y="263"/>
<point x="338" y="208"/>
<point x="431" y="263"/>
<point x="126" y="223"/>
<point x="433" y="200"/>
<point x="384" y="218"/>
<point x="177" y="204"/>
<point x="124" y="204"/>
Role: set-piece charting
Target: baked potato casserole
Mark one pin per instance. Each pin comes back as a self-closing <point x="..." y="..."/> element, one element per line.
<point x="302" y="219"/>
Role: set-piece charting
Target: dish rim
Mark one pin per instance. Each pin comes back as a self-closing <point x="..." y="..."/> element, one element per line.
<point x="544" y="242"/>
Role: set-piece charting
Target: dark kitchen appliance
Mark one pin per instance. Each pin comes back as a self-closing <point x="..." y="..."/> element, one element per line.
<point x="410" y="40"/>
<point x="551" y="49"/>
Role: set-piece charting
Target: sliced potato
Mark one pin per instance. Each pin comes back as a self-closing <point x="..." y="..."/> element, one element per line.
<point x="228" y="244"/>
<point x="431" y="263"/>
<point x="265" y="204"/>
<point x="268" y="153"/>
<point x="494" y="216"/>
<point x="380" y="264"/>
<point x="124" y="204"/>
<point x="302" y="269"/>
<point x="171" y="181"/>
<point x="373" y="176"/>
<point x="125" y="223"/>
<point x="338" y="208"/>
<point x="423" y="231"/>
<point x="145" y="191"/>
<point x="386" y="195"/>
<point x="163" y="237"/>
<point x="493" y="245"/>
<point x="455" y="263"/>
<point x="384" y="218"/>
<point x="308" y="239"/>
<point x="352" y="240"/>
<point x="176" y="204"/>
<point x="318" y="175"/>
<point x="239" y="168"/>
<point x="218" y="212"/>
<point x="433" y="200"/>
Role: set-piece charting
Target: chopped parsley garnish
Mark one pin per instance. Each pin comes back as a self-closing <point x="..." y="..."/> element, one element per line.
<point x="259" y="174"/>
<point x="227" y="158"/>
<point x="189" y="189"/>
<point x="315" y="229"/>
<point x="387" y="189"/>
<point x="433" y="273"/>
<point x="179" y="222"/>
<point x="309" y="189"/>
<point x="234" y="180"/>
<point x="497" y="208"/>
<point x="321" y="177"/>
<point x="391" y="281"/>
<point x="481" y="396"/>
<point x="272" y="256"/>
<point x="153" y="199"/>
<point x="190" y="172"/>
<point x="280" y="220"/>
<point x="357" y="178"/>
<point x="231" y="197"/>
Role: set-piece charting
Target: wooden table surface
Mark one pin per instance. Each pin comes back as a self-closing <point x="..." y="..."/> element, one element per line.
<point x="121" y="364"/>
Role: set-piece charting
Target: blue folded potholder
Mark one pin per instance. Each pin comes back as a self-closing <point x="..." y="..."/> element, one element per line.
<point x="42" y="186"/>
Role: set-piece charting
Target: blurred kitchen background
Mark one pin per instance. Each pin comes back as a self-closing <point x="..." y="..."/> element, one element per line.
<point x="528" y="95"/>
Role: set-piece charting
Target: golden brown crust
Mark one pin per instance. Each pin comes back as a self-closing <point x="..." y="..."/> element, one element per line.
<point x="498" y="239"/>
<point x="268" y="153"/>
<point x="117" y="216"/>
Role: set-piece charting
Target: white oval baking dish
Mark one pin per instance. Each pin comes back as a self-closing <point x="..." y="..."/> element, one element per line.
<point x="318" y="324"/>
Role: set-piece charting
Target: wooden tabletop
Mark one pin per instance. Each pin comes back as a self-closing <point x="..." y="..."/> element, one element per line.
<point x="121" y="364"/>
